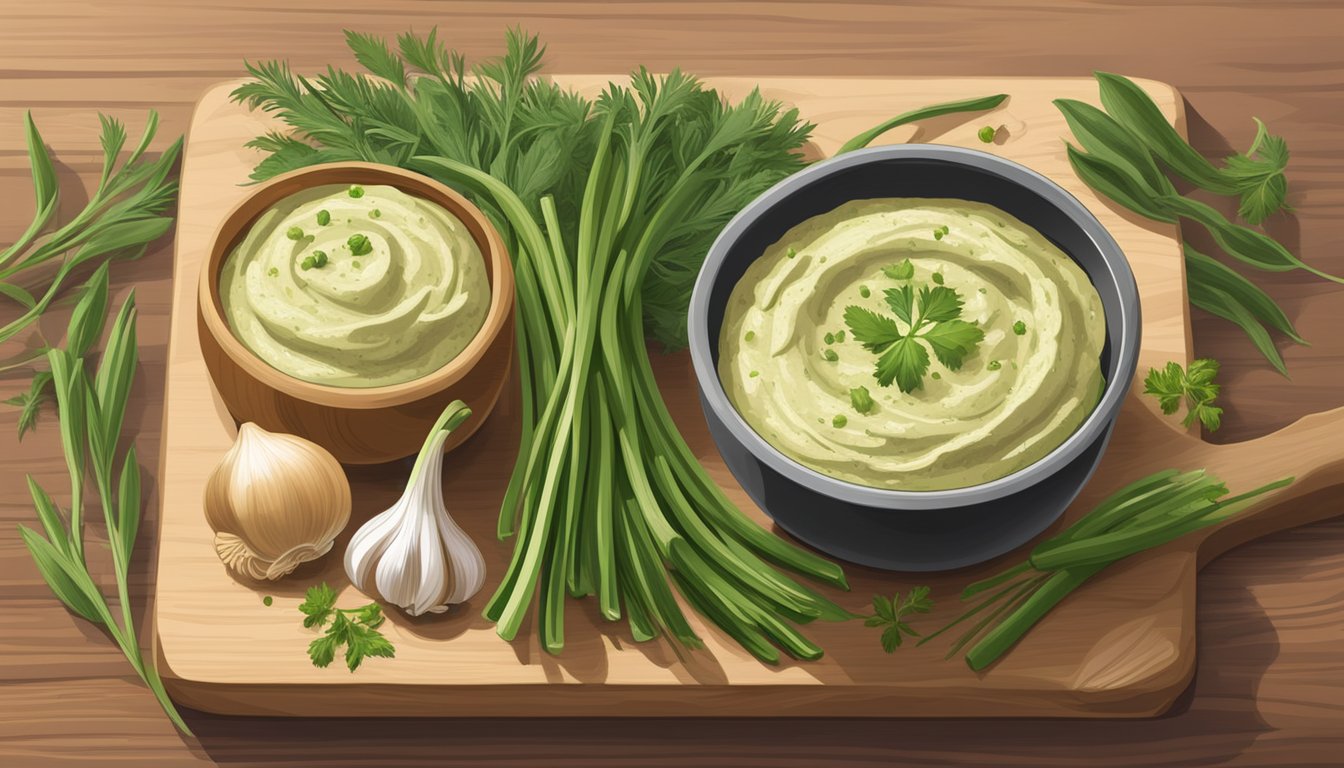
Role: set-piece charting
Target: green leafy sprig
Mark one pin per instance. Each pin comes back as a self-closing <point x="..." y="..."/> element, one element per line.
<point x="1125" y="152"/>
<point x="932" y="319"/>
<point x="354" y="628"/>
<point x="124" y="215"/>
<point x="91" y="410"/>
<point x="1173" y="385"/>
<point x="890" y="612"/>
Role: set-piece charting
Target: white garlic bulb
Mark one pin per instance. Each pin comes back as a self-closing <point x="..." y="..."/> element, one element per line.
<point x="413" y="555"/>
<point x="275" y="501"/>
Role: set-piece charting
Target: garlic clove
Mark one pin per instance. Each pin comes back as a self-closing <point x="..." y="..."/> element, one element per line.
<point x="414" y="555"/>
<point x="275" y="501"/>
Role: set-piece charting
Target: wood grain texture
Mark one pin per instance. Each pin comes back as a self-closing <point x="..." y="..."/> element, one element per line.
<point x="1269" y="615"/>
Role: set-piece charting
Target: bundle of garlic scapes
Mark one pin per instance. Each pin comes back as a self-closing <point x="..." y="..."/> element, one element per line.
<point x="413" y="555"/>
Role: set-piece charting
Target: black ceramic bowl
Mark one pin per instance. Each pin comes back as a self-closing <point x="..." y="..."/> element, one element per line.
<point x="914" y="530"/>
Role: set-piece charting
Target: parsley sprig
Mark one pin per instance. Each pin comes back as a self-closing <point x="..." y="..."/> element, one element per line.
<point x="1173" y="384"/>
<point x="891" y="612"/>
<point x="933" y="318"/>
<point x="355" y="628"/>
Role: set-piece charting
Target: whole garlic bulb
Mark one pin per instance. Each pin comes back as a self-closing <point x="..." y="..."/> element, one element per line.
<point x="275" y="501"/>
<point x="414" y="555"/>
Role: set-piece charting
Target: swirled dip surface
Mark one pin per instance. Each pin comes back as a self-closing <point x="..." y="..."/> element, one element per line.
<point x="1014" y="399"/>
<point x="383" y="312"/>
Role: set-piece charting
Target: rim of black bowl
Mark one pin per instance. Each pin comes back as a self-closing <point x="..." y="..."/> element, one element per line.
<point x="1094" y="426"/>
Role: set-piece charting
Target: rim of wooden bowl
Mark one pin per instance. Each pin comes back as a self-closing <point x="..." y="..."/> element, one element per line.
<point x="236" y="224"/>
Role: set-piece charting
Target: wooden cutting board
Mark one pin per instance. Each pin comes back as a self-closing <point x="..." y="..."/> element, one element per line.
<point x="1122" y="646"/>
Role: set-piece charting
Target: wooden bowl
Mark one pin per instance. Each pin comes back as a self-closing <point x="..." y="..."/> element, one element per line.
<point x="358" y="425"/>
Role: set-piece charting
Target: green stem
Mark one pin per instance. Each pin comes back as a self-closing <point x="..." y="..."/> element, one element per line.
<point x="926" y="113"/>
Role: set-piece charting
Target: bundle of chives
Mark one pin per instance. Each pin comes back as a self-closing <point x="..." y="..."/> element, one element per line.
<point x="1143" y="515"/>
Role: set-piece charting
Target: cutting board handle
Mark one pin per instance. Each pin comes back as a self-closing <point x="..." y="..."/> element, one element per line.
<point x="1310" y="449"/>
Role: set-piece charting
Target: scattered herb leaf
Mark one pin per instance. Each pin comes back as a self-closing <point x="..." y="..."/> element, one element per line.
<point x="890" y="613"/>
<point x="986" y="134"/>
<point x="354" y="628"/>
<point x="902" y="271"/>
<point x="1173" y="384"/>
<point x="1019" y="328"/>
<point x="861" y="400"/>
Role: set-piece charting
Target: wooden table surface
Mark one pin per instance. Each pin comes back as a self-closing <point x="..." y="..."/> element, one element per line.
<point x="1270" y="685"/>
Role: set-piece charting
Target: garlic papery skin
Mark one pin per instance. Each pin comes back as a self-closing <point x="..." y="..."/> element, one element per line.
<point x="275" y="501"/>
<point x="414" y="555"/>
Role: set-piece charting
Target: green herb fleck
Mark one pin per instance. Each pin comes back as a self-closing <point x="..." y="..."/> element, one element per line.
<point x="319" y="258"/>
<point x="750" y="335"/>
<point x="754" y="374"/>
<point x="273" y="272"/>
<point x="840" y="335"/>
<point x="839" y="421"/>
<point x="359" y="245"/>
<point x="354" y="628"/>
<point x="1020" y="328"/>
<point x="940" y="232"/>
<point x="935" y="375"/>
<point x="861" y="400"/>
<point x="830" y="355"/>
<point x="829" y="338"/>
<point x="938" y="278"/>
<point x="356" y="191"/>
<point x="355" y="264"/>
<point x="933" y="319"/>
<point x="791" y="253"/>
<point x="375" y="214"/>
<point x="994" y="365"/>
<point x="1173" y="384"/>
<point x="986" y="134"/>
<point x="902" y="271"/>
<point x="294" y="233"/>
<point x="323" y="218"/>
<point x="864" y="292"/>
<point x="267" y="601"/>
<point x="890" y="613"/>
